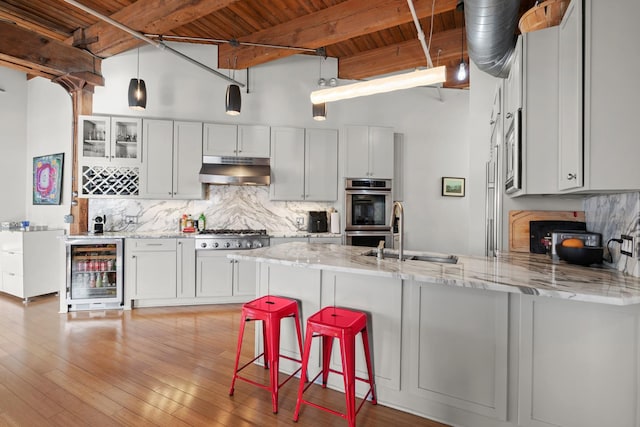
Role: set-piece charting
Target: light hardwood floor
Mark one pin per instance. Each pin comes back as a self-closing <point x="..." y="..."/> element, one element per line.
<point x="149" y="366"/>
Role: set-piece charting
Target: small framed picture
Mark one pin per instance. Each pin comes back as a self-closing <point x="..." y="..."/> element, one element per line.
<point x="452" y="186"/>
<point x="47" y="179"/>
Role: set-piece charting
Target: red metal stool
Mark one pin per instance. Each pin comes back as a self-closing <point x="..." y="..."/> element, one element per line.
<point x="270" y="309"/>
<point x="330" y="323"/>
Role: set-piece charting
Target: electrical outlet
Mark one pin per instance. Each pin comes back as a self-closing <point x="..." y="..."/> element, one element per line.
<point x="300" y="221"/>
<point x="627" y="246"/>
<point x="68" y="219"/>
<point x="130" y="219"/>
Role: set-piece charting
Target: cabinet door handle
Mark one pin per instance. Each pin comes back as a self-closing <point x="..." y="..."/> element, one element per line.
<point x="572" y="176"/>
<point x="509" y="115"/>
<point x="491" y="122"/>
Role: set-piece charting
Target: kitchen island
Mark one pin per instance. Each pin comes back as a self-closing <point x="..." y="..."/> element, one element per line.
<point x="516" y="340"/>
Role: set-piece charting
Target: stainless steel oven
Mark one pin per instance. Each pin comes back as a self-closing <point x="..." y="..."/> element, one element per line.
<point x="513" y="154"/>
<point x="368" y="212"/>
<point x="368" y="204"/>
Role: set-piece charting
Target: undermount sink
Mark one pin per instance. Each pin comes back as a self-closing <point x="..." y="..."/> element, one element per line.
<point x="447" y="259"/>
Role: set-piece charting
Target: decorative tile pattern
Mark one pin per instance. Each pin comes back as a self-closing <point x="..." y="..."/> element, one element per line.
<point x="614" y="215"/>
<point x="225" y="207"/>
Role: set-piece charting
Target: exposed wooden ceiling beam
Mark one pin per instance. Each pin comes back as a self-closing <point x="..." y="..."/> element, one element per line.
<point x="50" y="57"/>
<point x="30" y="22"/>
<point x="401" y="56"/>
<point x="147" y="16"/>
<point x="334" y="24"/>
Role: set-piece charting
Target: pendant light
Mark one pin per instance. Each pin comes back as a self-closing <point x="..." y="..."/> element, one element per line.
<point x="233" y="100"/>
<point x="320" y="110"/>
<point x="462" y="68"/>
<point x="137" y="90"/>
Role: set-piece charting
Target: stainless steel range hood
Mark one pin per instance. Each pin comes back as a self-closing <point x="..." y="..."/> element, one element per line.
<point x="235" y="170"/>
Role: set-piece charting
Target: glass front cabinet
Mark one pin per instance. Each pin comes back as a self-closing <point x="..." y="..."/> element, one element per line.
<point x="109" y="156"/>
<point x="94" y="274"/>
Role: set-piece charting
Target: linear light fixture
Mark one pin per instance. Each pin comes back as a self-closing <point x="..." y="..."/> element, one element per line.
<point x="409" y="80"/>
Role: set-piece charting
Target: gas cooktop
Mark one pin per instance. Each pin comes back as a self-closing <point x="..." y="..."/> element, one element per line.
<point x="225" y="238"/>
<point x="233" y="232"/>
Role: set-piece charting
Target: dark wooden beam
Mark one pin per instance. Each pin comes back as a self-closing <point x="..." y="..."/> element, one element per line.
<point x="29" y="49"/>
<point x="334" y="24"/>
<point x="147" y="16"/>
<point x="30" y="21"/>
<point x="445" y="47"/>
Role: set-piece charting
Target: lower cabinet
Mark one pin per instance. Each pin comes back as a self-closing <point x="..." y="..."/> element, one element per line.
<point x="169" y="271"/>
<point x="186" y="268"/>
<point x="579" y="364"/>
<point x="28" y="262"/>
<point x="150" y="268"/>
<point x="218" y="276"/>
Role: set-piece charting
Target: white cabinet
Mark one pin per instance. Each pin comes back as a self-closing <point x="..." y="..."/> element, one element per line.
<point x="605" y="140"/>
<point x="570" y="152"/>
<point x="219" y="276"/>
<point x="513" y="83"/>
<point x="29" y="265"/>
<point x="150" y="268"/>
<point x="579" y="364"/>
<point x="109" y="156"/>
<point x="186" y="268"/>
<point x="172" y="160"/>
<point x="236" y="140"/>
<point x="109" y="139"/>
<point x="369" y="152"/>
<point x="537" y="60"/>
<point x="304" y="164"/>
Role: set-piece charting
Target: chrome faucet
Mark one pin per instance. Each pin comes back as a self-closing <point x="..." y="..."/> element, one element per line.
<point x="397" y="211"/>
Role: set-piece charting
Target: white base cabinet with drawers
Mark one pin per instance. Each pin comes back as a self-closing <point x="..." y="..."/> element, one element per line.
<point x="170" y="272"/>
<point x="31" y="263"/>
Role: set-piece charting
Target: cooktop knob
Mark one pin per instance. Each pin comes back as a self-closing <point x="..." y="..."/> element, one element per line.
<point x="215" y="244"/>
<point x="203" y="245"/>
<point x="248" y="245"/>
<point x="238" y="244"/>
<point x="257" y="244"/>
<point x="227" y="244"/>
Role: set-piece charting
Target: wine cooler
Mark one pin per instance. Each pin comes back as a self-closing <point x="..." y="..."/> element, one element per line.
<point x="94" y="274"/>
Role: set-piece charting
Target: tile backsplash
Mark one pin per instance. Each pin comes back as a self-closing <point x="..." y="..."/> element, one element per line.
<point x="225" y="207"/>
<point x="613" y="215"/>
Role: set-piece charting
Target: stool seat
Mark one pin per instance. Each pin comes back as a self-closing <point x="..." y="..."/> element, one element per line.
<point x="270" y="309"/>
<point x="343" y="324"/>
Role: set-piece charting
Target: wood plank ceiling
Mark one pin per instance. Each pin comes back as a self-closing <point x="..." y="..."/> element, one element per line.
<point x="53" y="39"/>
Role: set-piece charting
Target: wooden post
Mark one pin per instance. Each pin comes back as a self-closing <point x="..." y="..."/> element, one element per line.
<point x="82" y="98"/>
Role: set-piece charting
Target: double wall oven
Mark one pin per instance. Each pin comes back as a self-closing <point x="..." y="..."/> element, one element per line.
<point x="368" y="211"/>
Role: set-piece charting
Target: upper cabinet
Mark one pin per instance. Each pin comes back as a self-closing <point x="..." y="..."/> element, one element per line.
<point x="536" y="62"/>
<point x="597" y="114"/>
<point x="109" y="156"/>
<point x="304" y="164"/>
<point x="236" y="140"/>
<point x="369" y="152"/>
<point x="109" y="139"/>
<point x="172" y="160"/>
<point x="570" y="137"/>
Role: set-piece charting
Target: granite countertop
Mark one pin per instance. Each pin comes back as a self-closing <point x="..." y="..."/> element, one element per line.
<point x="531" y="274"/>
<point x="177" y="234"/>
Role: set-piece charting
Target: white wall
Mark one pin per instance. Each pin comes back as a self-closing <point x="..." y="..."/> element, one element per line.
<point x="49" y="131"/>
<point x="13" y="144"/>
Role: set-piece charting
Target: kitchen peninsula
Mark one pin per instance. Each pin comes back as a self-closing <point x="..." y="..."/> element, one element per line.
<point x="516" y="340"/>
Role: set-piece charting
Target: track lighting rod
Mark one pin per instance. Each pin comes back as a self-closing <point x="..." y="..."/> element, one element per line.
<point x="319" y="51"/>
<point x="158" y="44"/>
